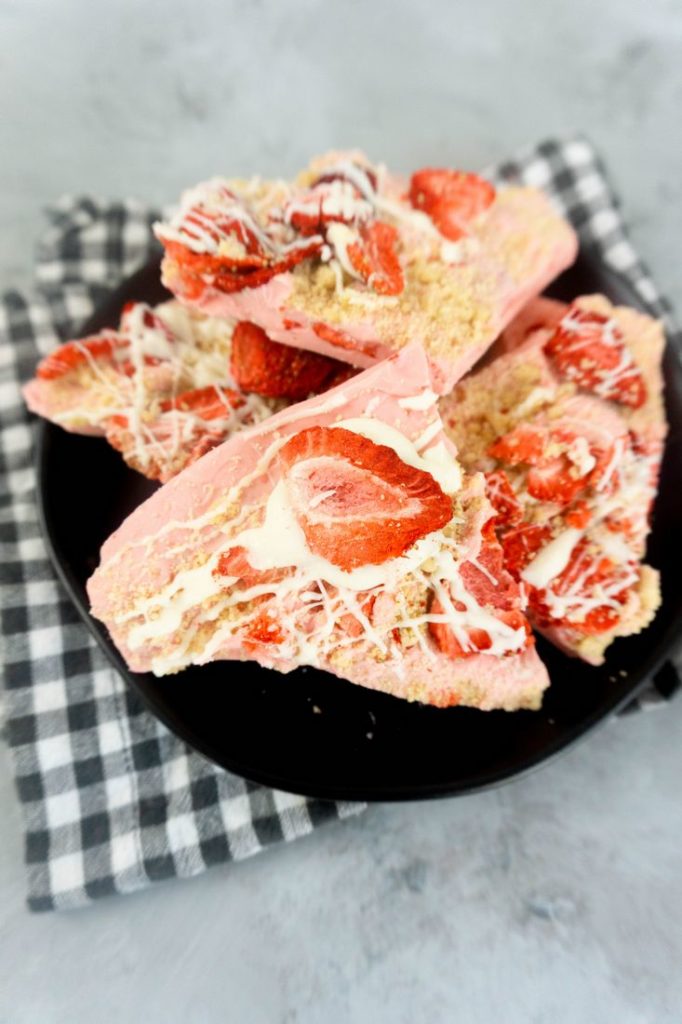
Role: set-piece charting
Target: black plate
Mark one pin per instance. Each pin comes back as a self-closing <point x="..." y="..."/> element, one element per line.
<point x="309" y="732"/>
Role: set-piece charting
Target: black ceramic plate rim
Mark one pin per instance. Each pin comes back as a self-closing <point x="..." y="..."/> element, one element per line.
<point x="306" y="785"/>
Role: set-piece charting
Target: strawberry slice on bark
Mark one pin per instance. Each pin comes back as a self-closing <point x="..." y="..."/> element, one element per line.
<point x="494" y="589"/>
<point x="560" y="463"/>
<point x="333" y="201"/>
<point x="209" y="403"/>
<point x="503" y="499"/>
<point x="588" y="348"/>
<point x="223" y="270"/>
<point x="555" y="481"/>
<point x="357" y="502"/>
<point x="107" y="345"/>
<point x="585" y="576"/>
<point x="375" y="259"/>
<point x="160" y="448"/>
<point x="268" y="368"/>
<point x="452" y="199"/>
<point x="220" y="237"/>
<point x="521" y="544"/>
<point x="235" y="562"/>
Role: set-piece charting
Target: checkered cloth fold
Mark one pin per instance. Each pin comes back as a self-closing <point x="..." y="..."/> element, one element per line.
<point x="113" y="801"/>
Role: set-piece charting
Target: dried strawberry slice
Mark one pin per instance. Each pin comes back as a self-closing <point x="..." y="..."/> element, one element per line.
<point x="588" y="349"/>
<point x="71" y="355"/>
<point x="209" y="403"/>
<point x="263" y="629"/>
<point x="521" y="544"/>
<point x="277" y="371"/>
<point x="452" y="199"/>
<point x="346" y="341"/>
<point x="523" y="444"/>
<point x="152" y="447"/>
<point x="605" y="476"/>
<point x="375" y="259"/>
<point x="579" y="515"/>
<point x="553" y="475"/>
<point x="493" y="587"/>
<point x="503" y="499"/>
<point x="555" y="481"/>
<point x="219" y="230"/>
<point x="223" y="273"/>
<point x="477" y="642"/>
<point x="584" y="579"/>
<point x="333" y="201"/>
<point x="235" y="562"/>
<point x="357" y="502"/>
<point x="234" y="282"/>
<point x="108" y="346"/>
<point x="225" y="246"/>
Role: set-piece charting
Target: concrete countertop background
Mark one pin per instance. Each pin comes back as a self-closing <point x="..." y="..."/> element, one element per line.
<point x="555" y="899"/>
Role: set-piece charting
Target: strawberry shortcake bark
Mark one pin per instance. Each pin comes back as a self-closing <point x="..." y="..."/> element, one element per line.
<point x="340" y="534"/>
<point x="170" y="384"/>
<point x="568" y="425"/>
<point x="354" y="263"/>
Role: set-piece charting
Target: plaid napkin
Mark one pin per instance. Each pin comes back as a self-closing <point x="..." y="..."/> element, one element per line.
<point x="113" y="801"/>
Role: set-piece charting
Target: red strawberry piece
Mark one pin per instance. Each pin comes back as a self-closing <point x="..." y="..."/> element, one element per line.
<point x="555" y="481"/>
<point x="234" y="282"/>
<point x="588" y="349"/>
<point x="209" y="403"/>
<point x="345" y="341"/>
<point x="579" y="515"/>
<point x="329" y="202"/>
<point x="227" y="229"/>
<point x="344" y="373"/>
<point x="73" y="354"/>
<point x="503" y="499"/>
<point x="278" y="371"/>
<point x="262" y="630"/>
<point x="522" y="444"/>
<point x="357" y="502"/>
<point x="235" y="562"/>
<point x="605" y="476"/>
<point x="583" y="568"/>
<point x="153" y="448"/>
<point x="598" y="620"/>
<point x="489" y="582"/>
<point x="452" y="199"/>
<point x="478" y="578"/>
<point x="521" y="544"/>
<point x="583" y="577"/>
<point x="552" y="475"/>
<point x="226" y="274"/>
<point x="446" y="641"/>
<point x="375" y="259"/>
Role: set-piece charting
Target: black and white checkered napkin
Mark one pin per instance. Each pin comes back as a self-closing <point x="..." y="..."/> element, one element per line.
<point x="112" y="801"/>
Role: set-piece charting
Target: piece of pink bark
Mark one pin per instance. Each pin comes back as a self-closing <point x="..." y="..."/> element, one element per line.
<point x="514" y="250"/>
<point x="185" y="523"/>
<point x="598" y="421"/>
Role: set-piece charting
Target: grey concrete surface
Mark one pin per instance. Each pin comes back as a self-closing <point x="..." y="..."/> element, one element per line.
<point x="557" y="899"/>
